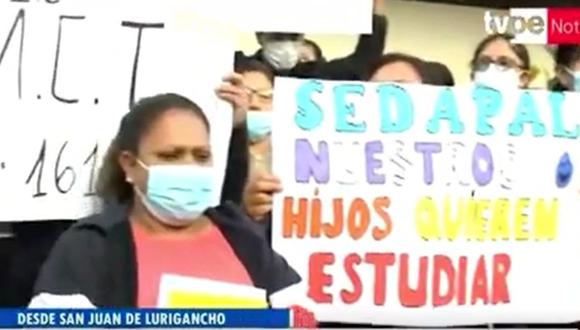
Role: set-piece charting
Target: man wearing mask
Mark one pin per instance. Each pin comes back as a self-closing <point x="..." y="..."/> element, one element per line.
<point x="567" y="58"/>
<point x="281" y="52"/>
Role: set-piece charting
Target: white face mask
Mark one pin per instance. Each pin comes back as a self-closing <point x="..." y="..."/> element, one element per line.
<point x="497" y="77"/>
<point x="575" y="79"/>
<point x="282" y="55"/>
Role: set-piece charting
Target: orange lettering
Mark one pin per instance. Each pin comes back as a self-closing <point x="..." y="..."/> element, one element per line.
<point x="358" y="209"/>
<point x="335" y="229"/>
<point x="380" y="204"/>
<point x="294" y="223"/>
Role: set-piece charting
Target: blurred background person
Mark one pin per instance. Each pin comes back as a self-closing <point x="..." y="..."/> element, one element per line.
<point x="438" y="74"/>
<point x="287" y="54"/>
<point x="310" y="52"/>
<point x="399" y="68"/>
<point x="500" y="64"/>
<point x="567" y="69"/>
<point x="258" y="81"/>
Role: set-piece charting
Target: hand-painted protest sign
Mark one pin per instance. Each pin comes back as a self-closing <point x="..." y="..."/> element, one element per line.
<point x="69" y="71"/>
<point x="421" y="205"/>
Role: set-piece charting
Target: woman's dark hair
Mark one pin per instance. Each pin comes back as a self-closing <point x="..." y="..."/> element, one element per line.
<point x="112" y="184"/>
<point x="566" y="55"/>
<point x="261" y="36"/>
<point x="438" y="74"/>
<point x="254" y="66"/>
<point x="417" y="64"/>
<point x="520" y="50"/>
<point x="317" y="50"/>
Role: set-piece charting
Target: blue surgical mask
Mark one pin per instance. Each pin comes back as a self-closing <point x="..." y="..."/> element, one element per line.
<point x="259" y="124"/>
<point x="177" y="194"/>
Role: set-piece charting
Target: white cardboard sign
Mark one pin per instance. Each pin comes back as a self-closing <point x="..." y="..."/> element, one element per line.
<point x="68" y="72"/>
<point x="304" y="16"/>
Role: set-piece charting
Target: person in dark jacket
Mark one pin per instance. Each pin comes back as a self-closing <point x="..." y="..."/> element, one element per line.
<point x="158" y="177"/>
<point x="281" y="52"/>
<point x="567" y="58"/>
<point x="30" y="246"/>
<point x="33" y="241"/>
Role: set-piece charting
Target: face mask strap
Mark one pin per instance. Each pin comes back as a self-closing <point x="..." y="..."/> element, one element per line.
<point x="142" y="164"/>
<point x="573" y="78"/>
<point x="129" y="179"/>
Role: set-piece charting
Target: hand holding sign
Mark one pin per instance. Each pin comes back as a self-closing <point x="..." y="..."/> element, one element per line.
<point x="258" y="195"/>
<point x="231" y="91"/>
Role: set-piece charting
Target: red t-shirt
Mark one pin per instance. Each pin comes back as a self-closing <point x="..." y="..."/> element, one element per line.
<point x="206" y="255"/>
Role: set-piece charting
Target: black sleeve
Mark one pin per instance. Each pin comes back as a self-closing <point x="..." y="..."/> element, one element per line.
<point x="356" y="66"/>
<point x="32" y="243"/>
<point x="370" y="47"/>
<point x="237" y="167"/>
<point x="239" y="57"/>
<point x="72" y="266"/>
<point x="281" y="274"/>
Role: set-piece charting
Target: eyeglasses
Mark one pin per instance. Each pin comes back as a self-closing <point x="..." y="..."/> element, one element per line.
<point x="503" y="63"/>
<point x="261" y="95"/>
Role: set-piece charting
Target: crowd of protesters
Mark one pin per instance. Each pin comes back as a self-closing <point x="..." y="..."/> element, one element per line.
<point x="149" y="226"/>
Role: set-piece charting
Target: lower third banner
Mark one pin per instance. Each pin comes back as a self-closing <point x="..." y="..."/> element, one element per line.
<point x="143" y="318"/>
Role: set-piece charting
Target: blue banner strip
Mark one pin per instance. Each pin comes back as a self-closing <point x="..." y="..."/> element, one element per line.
<point x="143" y="318"/>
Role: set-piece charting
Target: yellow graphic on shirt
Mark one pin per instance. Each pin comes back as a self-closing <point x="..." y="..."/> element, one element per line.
<point x="177" y="291"/>
<point x="206" y="300"/>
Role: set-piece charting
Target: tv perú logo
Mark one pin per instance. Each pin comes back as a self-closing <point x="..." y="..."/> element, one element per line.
<point x="532" y="24"/>
<point x="514" y="24"/>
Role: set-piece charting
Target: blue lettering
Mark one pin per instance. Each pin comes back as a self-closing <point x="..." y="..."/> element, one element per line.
<point x="345" y="111"/>
<point x="556" y="100"/>
<point x="309" y="115"/>
<point x="445" y="109"/>
<point x="488" y="102"/>
<point x="527" y="113"/>
<point x="403" y="105"/>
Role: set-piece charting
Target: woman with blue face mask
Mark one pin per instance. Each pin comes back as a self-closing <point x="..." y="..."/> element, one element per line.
<point x="158" y="175"/>
<point x="499" y="64"/>
<point x="567" y="58"/>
